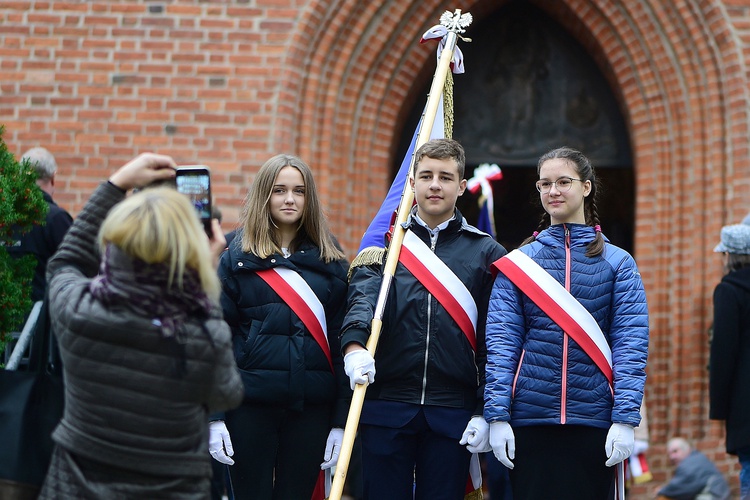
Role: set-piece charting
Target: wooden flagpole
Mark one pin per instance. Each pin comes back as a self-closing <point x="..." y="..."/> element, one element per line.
<point x="394" y="249"/>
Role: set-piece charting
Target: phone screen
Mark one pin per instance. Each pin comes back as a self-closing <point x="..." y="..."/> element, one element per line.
<point x="195" y="183"/>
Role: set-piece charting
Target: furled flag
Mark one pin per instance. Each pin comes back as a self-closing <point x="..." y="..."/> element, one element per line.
<point x="323" y="486"/>
<point x="637" y="469"/>
<point x="481" y="183"/>
<point x="381" y="223"/>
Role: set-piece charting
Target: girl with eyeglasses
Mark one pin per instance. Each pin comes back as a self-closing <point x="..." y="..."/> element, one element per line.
<point x="567" y="342"/>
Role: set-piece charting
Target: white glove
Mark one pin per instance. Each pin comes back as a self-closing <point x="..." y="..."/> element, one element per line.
<point x="619" y="443"/>
<point x="640" y="446"/>
<point x="503" y="443"/>
<point x="360" y="367"/>
<point x="333" y="448"/>
<point x="219" y="444"/>
<point x="476" y="437"/>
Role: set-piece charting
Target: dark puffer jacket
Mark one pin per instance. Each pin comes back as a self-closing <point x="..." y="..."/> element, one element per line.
<point x="536" y="375"/>
<point x="730" y="358"/>
<point x="125" y="405"/>
<point x="280" y="362"/>
<point x="42" y="242"/>
<point x="423" y="357"/>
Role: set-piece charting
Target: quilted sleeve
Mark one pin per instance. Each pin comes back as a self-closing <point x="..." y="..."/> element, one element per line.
<point x="504" y="337"/>
<point x="629" y="342"/>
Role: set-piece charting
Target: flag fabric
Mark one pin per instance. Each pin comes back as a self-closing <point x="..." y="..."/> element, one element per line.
<point x="481" y="183"/>
<point x="323" y="485"/>
<point x="638" y="470"/>
<point x="381" y="223"/>
<point x="474" y="484"/>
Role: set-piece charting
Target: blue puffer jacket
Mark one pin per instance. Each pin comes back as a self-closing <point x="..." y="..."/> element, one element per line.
<point x="537" y="375"/>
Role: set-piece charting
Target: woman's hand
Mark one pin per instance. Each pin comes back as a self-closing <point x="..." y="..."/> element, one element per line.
<point x="216" y="242"/>
<point x="143" y="170"/>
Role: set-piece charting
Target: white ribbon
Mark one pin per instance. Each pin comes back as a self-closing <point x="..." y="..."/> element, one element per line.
<point x="440" y="31"/>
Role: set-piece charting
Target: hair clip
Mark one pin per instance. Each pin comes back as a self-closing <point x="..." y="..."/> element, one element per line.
<point x="535" y="234"/>
<point x="598" y="228"/>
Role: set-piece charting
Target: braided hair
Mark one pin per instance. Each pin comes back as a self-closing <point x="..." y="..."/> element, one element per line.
<point x="585" y="171"/>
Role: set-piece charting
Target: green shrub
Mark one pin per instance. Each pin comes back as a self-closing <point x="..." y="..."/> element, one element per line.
<point x="22" y="206"/>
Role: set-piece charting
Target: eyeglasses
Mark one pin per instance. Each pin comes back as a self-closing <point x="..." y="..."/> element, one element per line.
<point x="562" y="184"/>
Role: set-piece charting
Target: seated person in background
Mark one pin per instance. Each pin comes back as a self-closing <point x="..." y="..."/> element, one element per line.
<point x="695" y="476"/>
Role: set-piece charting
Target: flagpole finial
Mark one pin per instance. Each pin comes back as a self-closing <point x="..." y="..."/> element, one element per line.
<point x="456" y="22"/>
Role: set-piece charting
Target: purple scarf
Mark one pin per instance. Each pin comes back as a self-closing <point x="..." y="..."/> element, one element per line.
<point x="143" y="288"/>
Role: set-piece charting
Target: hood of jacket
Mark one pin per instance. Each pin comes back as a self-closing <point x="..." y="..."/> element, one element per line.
<point x="739" y="278"/>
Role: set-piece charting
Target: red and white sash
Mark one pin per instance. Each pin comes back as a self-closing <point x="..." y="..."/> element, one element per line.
<point x="564" y="309"/>
<point x="298" y="295"/>
<point x="442" y="283"/>
<point x="638" y="470"/>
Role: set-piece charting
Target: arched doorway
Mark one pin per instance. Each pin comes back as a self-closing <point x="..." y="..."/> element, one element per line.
<point x="530" y="87"/>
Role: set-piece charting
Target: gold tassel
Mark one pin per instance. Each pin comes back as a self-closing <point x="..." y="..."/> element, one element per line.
<point x="475" y="495"/>
<point x="448" y="105"/>
<point x="367" y="257"/>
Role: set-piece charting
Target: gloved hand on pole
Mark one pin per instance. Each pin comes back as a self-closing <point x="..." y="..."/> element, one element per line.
<point x="359" y="365"/>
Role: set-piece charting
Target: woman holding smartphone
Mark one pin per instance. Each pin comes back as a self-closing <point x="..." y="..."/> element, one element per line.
<point x="134" y="302"/>
<point x="284" y="294"/>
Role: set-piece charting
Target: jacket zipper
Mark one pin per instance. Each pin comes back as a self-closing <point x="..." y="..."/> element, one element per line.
<point x="433" y="244"/>
<point x="564" y="398"/>
<point x="518" y="371"/>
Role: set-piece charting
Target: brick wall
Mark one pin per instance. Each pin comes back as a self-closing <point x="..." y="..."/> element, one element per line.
<point x="231" y="83"/>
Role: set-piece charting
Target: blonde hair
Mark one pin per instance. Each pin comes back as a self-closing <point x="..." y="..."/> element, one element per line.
<point x="160" y="226"/>
<point x="260" y="236"/>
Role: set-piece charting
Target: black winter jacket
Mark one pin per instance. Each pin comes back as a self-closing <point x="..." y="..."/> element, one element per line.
<point x="42" y="242"/>
<point x="422" y="356"/>
<point x="279" y="360"/>
<point x="730" y="358"/>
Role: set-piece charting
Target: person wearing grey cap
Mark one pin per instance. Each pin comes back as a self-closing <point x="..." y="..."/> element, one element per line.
<point x="730" y="348"/>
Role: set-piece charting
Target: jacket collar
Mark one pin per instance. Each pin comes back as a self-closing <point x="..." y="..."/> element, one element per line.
<point x="455" y="226"/>
<point x="307" y="256"/>
<point x="580" y="235"/>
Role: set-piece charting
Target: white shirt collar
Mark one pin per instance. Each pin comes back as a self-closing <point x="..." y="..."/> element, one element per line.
<point x="437" y="229"/>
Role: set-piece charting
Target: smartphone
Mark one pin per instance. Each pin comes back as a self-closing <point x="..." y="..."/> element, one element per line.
<point x="194" y="181"/>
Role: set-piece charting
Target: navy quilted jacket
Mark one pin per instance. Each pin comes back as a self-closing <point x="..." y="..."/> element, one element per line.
<point x="279" y="360"/>
<point x="536" y="374"/>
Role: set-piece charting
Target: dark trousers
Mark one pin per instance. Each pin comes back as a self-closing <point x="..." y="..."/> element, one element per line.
<point x="219" y="481"/>
<point x="393" y="459"/>
<point x="497" y="478"/>
<point x="277" y="452"/>
<point x="564" y="462"/>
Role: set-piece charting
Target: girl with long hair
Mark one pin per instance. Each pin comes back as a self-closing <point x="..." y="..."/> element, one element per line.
<point x="284" y="294"/>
